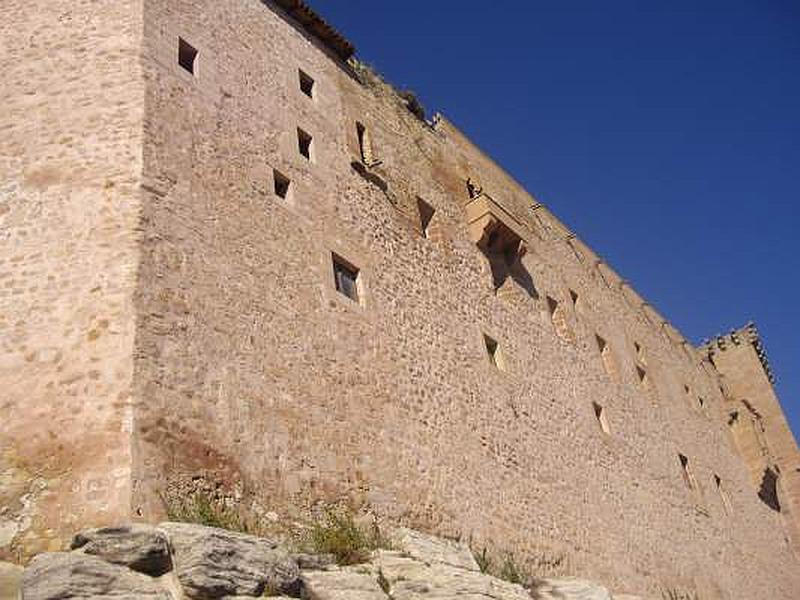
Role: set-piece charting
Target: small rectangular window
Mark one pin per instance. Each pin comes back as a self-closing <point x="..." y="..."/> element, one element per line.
<point x="688" y="477"/>
<point x="574" y="297"/>
<point x="559" y="319"/>
<point x="493" y="350"/>
<point x="282" y="184"/>
<point x="304" y="143"/>
<point x="723" y="494"/>
<point x="187" y="55"/>
<point x="600" y="414"/>
<point x="426" y="212"/>
<point x="306" y="83"/>
<point x="345" y="277"/>
<point x="643" y="378"/>
<point x="365" y="145"/>
<point x="640" y="355"/>
<point x="609" y="364"/>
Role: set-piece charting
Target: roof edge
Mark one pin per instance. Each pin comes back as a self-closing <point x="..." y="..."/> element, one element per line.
<point x="317" y="27"/>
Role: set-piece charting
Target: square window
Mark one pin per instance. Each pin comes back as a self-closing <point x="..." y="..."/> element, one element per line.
<point x="306" y="83"/>
<point x="282" y="184"/>
<point x="345" y="277"/>
<point x="304" y="142"/>
<point x="426" y="212"/>
<point x="187" y="55"/>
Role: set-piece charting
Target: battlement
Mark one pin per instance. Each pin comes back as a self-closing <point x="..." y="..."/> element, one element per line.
<point x="748" y="334"/>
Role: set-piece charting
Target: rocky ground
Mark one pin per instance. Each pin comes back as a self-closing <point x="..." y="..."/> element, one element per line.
<point x="180" y="560"/>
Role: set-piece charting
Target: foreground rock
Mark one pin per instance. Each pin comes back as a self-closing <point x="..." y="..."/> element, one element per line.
<point x="409" y="578"/>
<point x="430" y="549"/>
<point x="142" y="548"/>
<point x="175" y="561"/>
<point x="10" y="581"/>
<point x="213" y="563"/>
<point x="62" y="576"/>
<point x="349" y="583"/>
<point x="568" y="587"/>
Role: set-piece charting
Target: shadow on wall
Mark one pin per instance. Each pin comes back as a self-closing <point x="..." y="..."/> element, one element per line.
<point x="504" y="251"/>
<point x="768" y="491"/>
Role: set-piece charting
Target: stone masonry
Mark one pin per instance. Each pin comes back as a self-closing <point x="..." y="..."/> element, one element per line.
<point x="186" y="190"/>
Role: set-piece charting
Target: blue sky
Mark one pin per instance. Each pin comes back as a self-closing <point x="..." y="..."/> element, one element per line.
<point x="665" y="134"/>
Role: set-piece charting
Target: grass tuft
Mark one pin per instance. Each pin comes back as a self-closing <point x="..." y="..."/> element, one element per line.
<point x="337" y="533"/>
<point x="202" y="509"/>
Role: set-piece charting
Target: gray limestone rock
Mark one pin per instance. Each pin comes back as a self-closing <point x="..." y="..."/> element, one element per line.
<point x="213" y="563"/>
<point x="349" y="583"/>
<point x="143" y="548"/>
<point x="315" y="562"/>
<point x="410" y="579"/>
<point x="430" y="549"/>
<point x="10" y="581"/>
<point x="63" y="576"/>
<point x="569" y="588"/>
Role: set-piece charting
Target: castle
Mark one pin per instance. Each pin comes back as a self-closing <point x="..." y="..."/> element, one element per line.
<point x="233" y="254"/>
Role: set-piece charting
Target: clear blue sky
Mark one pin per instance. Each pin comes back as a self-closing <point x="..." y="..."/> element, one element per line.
<point x="665" y="134"/>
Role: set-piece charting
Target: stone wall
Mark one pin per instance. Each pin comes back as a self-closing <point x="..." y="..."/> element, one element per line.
<point x="255" y="372"/>
<point x="70" y="162"/>
<point x="168" y="321"/>
<point x="759" y="426"/>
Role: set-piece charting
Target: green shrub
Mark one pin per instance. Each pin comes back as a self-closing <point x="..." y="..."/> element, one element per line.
<point x="483" y="560"/>
<point x="202" y="509"/>
<point x="337" y="533"/>
<point x="512" y="572"/>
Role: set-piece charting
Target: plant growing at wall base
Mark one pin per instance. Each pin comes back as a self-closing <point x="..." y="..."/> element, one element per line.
<point x="202" y="509"/>
<point x="338" y="533"/>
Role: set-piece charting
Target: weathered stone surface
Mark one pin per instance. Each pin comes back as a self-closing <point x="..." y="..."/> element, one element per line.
<point x="213" y="563"/>
<point x="60" y="576"/>
<point x="569" y="588"/>
<point x="350" y="583"/>
<point x="143" y="548"/>
<point x="315" y="562"/>
<point x="10" y="581"/>
<point x="409" y="579"/>
<point x="431" y="549"/>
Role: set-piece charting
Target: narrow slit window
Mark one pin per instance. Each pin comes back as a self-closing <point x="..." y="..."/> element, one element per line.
<point x="426" y="212"/>
<point x="346" y="278"/>
<point x="573" y="295"/>
<point x="559" y="319"/>
<point x="304" y="144"/>
<point x="493" y="351"/>
<point x="644" y="380"/>
<point x="608" y="359"/>
<point x="187" y="55"/>
<point x="282" y="184"/>
<point x="688" y="477"/>
<point x="640" y="355"/>
<point x="723" y="494"/>
<point x="365" y="145"/>
<point x="600" y="415"/>
<point x="306" y="83"/>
